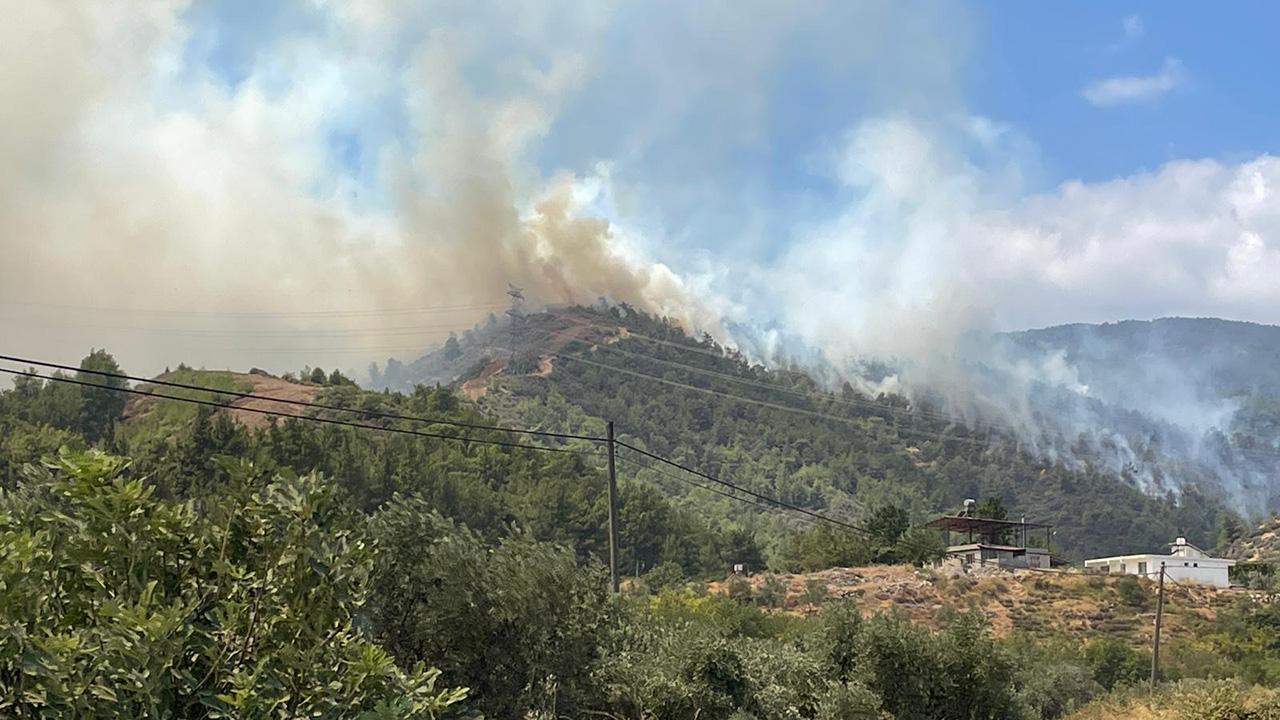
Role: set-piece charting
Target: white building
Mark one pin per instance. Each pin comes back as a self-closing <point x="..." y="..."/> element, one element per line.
<point x="1186" y="563"/>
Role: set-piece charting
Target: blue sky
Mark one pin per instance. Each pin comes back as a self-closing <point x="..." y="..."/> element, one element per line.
<point x="1033" y="59"/>
<point x="1024" y="64"/>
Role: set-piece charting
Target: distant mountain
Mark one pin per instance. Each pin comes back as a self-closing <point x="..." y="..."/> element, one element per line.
<point x="1171" y="367"/>
<point x="1203" y="390"/>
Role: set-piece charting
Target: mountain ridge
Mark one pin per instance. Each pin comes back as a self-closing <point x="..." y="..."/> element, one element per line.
<point x="780" y="431"/>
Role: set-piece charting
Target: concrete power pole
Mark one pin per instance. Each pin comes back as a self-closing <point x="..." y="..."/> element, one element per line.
<point x="613" y="510"/>
<point x="1155" y="643"/>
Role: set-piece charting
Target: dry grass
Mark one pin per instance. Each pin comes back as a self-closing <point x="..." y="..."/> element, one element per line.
<point x="1192" y="700"/>
<point x="1058" y="603"/>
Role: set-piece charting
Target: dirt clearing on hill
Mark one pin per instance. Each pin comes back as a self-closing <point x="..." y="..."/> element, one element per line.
<point x="275" y="388"/>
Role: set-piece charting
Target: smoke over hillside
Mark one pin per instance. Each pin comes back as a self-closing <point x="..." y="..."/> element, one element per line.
<point x="351" y="181"/>
<point x="130" y="184"/>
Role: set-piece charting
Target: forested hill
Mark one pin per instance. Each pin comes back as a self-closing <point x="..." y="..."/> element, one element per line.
<point x="1195" y="372"/>
<point x="777" y="432"/>
<point x="1226" y="357"/>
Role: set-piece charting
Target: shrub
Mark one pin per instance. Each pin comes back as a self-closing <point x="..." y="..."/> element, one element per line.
<point x="508" y="621"/>
<point x="1052" y="690"/>
<point x="1131" y="592"/>
<point x="739" y="588"/>
<point x="664" y="576"/>
<point x="772" y="592"/>
<point x="1114" y="663"/>
<point x="815" y="591"/>
<point x="243" y="607"/>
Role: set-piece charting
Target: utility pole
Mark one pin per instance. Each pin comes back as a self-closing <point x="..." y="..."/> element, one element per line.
<point x="613" y="509"/>
<point x="1155" y="644"/>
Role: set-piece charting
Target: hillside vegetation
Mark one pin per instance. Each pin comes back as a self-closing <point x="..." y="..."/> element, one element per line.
<point x="168" y="563"/>
<point x="778" y="432"/>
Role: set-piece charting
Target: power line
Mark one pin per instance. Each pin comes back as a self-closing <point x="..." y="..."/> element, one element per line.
<point x="651" y="467"/>
<point x="765" y="403"/>
<point x="758" y="495"/>
<point x="300" y="403"/>
<point x="391" y="331"/>
<point x="371" y="312"/>
<point x="823" y="395"/>
<point x="768" y="501"/>
<point x="818" y="395"/>
<point x="913" y="412"/>
<point x="765" y="502"/>
<point x="308" y="418"/>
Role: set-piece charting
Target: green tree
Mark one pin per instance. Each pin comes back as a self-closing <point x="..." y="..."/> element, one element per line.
<point x="119" y="604"/>
<point x="1230" y="528"/>
<point x="100" y="407"/>
<point x="518" y="623"/>
<point x="919" y="546"/>
<point x="887" y="523"/>
<point x="991" y="508"/>
<point x="1114" y="663"/>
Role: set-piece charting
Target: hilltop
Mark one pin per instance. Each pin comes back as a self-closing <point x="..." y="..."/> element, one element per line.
<point x="142" y="412"/>
<point x="780" y="431"/>
<point x="1225" y="358"/>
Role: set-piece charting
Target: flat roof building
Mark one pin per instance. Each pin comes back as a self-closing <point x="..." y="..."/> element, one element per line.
<point x="985" y="541"/>
<point x="1184" y="563"/>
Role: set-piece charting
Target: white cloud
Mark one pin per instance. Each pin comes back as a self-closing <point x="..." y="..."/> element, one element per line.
<point x="935" y="245"/>
<point x="1135" y="88"/>
<point x="1133" y="28"/>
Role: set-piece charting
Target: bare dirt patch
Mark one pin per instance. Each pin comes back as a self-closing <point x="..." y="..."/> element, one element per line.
<point x="276" y="388"/>
<point x="476" y="387"/>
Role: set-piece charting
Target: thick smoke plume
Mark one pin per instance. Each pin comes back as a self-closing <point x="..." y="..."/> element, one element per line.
<point x="307" y="200"/>
<point x="173" y="218"/>
<point x="939" y="250"/>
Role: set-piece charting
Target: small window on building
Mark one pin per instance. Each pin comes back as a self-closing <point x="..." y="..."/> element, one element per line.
<point x="1186" y="564"/>
<point x="1195" y="564"/>
<point x="1142" y="568"/>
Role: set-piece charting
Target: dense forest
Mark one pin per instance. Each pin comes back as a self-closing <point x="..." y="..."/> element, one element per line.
<point x="164" y="559"/>
<point x="781" y="432"/>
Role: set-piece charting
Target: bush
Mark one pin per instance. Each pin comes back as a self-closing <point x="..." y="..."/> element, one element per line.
<point x="669" y="674"/>
<point x="772" y="592"/>
<point x="243" y="607"/>
<point x="738" y="588"/>
<point x="959" y="673"/>
<point x="1224" y="700"/>
<point x="815" y="591"/>
<point x="1131" y="592"/>
<point x="665" y="576"/>
<point x="716" y="614"/>
<point x="1051" y="691"/>
<point x="1114" y="663"/>
<point x="519" y="623"/>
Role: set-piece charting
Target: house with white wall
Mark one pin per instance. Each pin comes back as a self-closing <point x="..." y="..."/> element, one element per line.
<point x="1185" y="563"/>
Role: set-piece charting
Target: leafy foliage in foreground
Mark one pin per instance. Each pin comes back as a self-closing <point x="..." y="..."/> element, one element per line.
<point x="115" y="603"/>
<point x="520" y="622"/>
